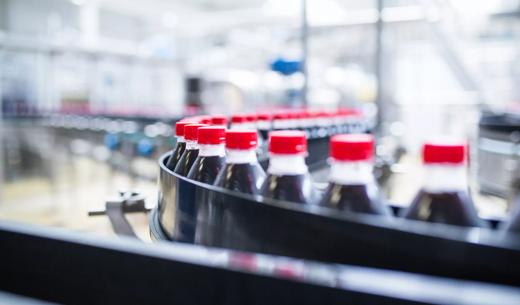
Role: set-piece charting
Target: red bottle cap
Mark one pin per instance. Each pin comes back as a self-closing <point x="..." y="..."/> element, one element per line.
<point x="211" y="135"/>
<point x="313" y="114"/>
<point x="304" y="114"/>
<point x="198" y="119"/>
<point x="444" y="152"/>
<point x="292" y="115"/>
<point x="191" y="131"/>
<point x="205" y="119"/>
<point x="349" y="112"/>
<point x="287" y="142"/>
<point x="344" y="111"/>
<point x="263" y="117"/>
<point x="239" y="118"/>
<point x="218" y="120"/>
<point x="250" y="117"/>
<point x="281" y="116"/>
<point x="352" y="147"/>
<point x="241" y="139"/>
<point x="179" y="127"/>
<point x="327" y="114"/>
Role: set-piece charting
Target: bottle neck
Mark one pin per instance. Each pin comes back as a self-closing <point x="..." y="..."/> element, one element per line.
<point x="287" y="165"/>
<point x="241" y="156"/>
<point x="243" y="126"/>
<point x="180" y="139"/>
<point x="351" y="172"/>
<point x="305" y="123"/>
<point x="192" y="145"/>
<point x="292" y="123"/>
<point x="281" y="124"/>
<point x="439" y="178"/>
<point x="212" y="150"/>
<point x="324" y="122"/>
<point x="264" y="125"/>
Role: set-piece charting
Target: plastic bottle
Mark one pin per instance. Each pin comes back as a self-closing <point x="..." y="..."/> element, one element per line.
<point x="211" y="156"/>
<point x="251" y="120"/>
<point x="264" y="124"/>
<point x="192" y="149"/>
<point x="242" y="172"/>
<point x="281" y="121"/>
<point x="444" y="196"/>
<point x="240" y="122"/>
<point x="204" y="119"/>
<point x="287" y="175"/>
<point x="180" y="147"/>
<point x="352" y="186"/>
<point x="219" y="120"/>
<point x="303" y="120"/>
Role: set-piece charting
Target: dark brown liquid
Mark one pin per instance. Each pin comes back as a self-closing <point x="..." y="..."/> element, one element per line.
<point x="295" y="188"/>
<point x="186" y="161"/>
<point x="360" y="198"/>
<point x="454" y="208"/>
<point x="206" y="169"/>
<point x="245" y="178"/>
<point x="264" y="134"/>
<point x="176" y="155"/>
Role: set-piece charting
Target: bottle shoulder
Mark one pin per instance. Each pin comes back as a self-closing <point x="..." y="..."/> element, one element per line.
<point x="246" y="178"/>
<point x="450" y="207"/>
<point x="362" y="198"/>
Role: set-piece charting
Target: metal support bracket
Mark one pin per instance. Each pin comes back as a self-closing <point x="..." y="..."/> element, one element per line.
<point x="116" y="208"/>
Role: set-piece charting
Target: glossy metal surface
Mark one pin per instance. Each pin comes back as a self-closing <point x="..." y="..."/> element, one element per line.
<point x="203" y="214"/>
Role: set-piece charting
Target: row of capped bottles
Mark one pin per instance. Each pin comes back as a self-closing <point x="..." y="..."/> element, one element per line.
<point x="316" y="123"/>
<point x="228" y="159"/>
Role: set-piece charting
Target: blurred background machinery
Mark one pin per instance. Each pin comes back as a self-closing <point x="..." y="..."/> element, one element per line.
<point x="89" y="89"/>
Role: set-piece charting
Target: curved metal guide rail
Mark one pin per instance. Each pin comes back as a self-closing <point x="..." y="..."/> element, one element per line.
<point x="198" y="213"/>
